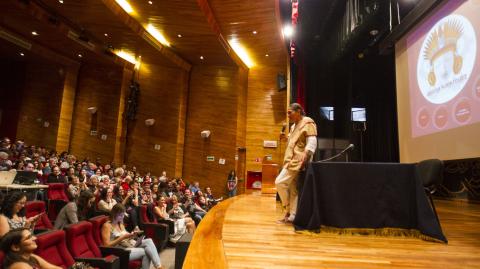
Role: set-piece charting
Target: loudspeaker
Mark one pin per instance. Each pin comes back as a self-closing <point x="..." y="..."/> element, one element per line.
<point x="281" y="82"/>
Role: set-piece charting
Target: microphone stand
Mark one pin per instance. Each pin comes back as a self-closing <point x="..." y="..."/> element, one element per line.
<point x="337" y="155"/>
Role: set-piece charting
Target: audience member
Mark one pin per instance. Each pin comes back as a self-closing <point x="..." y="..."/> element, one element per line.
<point x="77" y="210"/>
<point x="18" y="246"/>
<point x="114" y="234"/>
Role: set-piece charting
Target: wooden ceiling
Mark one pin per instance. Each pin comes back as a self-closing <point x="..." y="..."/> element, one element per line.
<point x="239" y="18"/>
<point x="93" y="19"/>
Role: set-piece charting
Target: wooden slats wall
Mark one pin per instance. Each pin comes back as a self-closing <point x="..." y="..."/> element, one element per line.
<point x="161" y="93"/>
<point x="41" y="99"/>
<point x="212" y="105"/>
<point x="98" y="86"/>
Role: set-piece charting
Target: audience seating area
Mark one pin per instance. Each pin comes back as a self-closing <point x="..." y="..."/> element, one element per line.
<point x="109" y="184"/>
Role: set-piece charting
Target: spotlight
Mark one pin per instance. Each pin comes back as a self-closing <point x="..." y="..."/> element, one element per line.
<point x="288" y="31"/>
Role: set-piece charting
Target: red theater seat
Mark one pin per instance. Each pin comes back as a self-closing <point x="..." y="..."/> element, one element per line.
<point x="52" y="247"/>
<point x="33" y="208"/>
<point x="81" y="245"/>
<point x="123" y="254"/>
<point x="157" y="231"/>
<point x="2" y="256"/>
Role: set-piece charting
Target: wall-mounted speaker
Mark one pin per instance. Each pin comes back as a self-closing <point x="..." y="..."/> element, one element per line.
<point x="281" y="82"/>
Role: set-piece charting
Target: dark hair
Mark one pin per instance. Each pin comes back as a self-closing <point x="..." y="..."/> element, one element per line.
<point x="82" y="204"/>
<point x="297" y="107"/>
<point x="10" y="201"/>
<point x="103" y="194"/>
<point x="117" y="209"/>
<point x="14" y="237"/>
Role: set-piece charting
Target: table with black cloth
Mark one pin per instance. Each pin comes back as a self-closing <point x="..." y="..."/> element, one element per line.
<point x="368" y="196"/>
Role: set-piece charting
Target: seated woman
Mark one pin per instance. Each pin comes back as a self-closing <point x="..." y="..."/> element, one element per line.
<point x="78" y="209"/>
<point x="114" y="234"/>
<point x="18" y="246"/>
<point x="175" y="214"/>
<point x="106" y="202"/>
<point x="13" y="213"/>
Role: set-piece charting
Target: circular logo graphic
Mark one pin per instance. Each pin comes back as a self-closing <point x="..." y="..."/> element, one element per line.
<point x="476" y="89"/>
<point x="446" y="59"/>
<point x="423" y="118"/>
<point x="462" y="113"/>
<point x="440" y="117"/>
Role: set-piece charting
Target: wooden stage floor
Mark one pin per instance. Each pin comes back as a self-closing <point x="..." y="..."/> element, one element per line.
<point x="250" y="238"/>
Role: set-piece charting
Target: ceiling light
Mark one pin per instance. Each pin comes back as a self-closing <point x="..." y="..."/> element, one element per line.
<point x="106" y="35"/>
<point x="287" y="31"/>
<point x="80" y="55"/>
<point x="129" y="57"/>
<point x="60" y="1"/>
<point x="241" y="52"/>
<point x="35" y="33"/>
<point x="150" y="2"/>
<point x="22" y="54"/>
<point x="266" y="55"/>
<point x="201" y="58"/>
<point x="158" y="36"/>
<point x="125" y="5"/>
<point x="179" y="35"/>
<point x="138" y="63"/>
<point x="254" y="32"/>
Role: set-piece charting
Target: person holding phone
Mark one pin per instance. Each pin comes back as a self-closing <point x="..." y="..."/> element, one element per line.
<point x="114" y="234"/>
<point x="13" y="210"/>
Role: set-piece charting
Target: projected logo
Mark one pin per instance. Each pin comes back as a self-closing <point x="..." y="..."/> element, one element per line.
<point x="447" y="57"/>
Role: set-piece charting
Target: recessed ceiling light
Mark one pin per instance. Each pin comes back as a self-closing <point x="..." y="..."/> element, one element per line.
<point x="22" y="54"/>
<point x="150" y="2"/>
<point x="201" y="58"/>
<point x="106" y="35"/>
<point x="60" y="1"/>
<point x="34" y="33"/>
<point x="179" y="35"/>
<point x="266" y="55"/>
<point x="80" y="55"/>
<point x="254" y="32"/>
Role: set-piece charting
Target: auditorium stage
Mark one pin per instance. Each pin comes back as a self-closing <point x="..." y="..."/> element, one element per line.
<point x="241" y="233"/>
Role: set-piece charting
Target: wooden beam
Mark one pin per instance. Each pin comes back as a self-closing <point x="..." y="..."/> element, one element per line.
<point x="66" y="109"/>
<point x="133" y="24"/>
<point x="212" y="21"/>
<point x="182" y="121"/>
<point x="120" y="137"/>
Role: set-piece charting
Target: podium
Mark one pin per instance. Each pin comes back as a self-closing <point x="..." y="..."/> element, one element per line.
<point x="270" y="172"/>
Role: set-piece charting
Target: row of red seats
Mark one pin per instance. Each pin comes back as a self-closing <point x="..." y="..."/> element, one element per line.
<point x="81" y="242"/>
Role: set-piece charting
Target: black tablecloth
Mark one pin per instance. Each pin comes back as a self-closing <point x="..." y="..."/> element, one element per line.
<point x="365" y="195"/>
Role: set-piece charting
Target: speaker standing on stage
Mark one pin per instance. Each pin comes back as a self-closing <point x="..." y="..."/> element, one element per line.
<point x="302" y="142"/>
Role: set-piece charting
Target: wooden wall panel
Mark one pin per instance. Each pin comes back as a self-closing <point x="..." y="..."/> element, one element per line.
<point x="212" y="105"/>
<point x="266" y="112"/>
<point x="161" y="93"/>
<point x="42" y="95"/>
<point x="98" y="86"/>
<point x="67" y="104"/>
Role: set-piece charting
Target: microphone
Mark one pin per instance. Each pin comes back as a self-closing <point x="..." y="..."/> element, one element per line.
<point x="351" y="146"/>
<point x="284" y="126"/>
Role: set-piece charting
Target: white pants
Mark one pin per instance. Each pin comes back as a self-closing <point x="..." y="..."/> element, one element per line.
<point x="148" y="252"/>
<point x="286" y="183"/>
